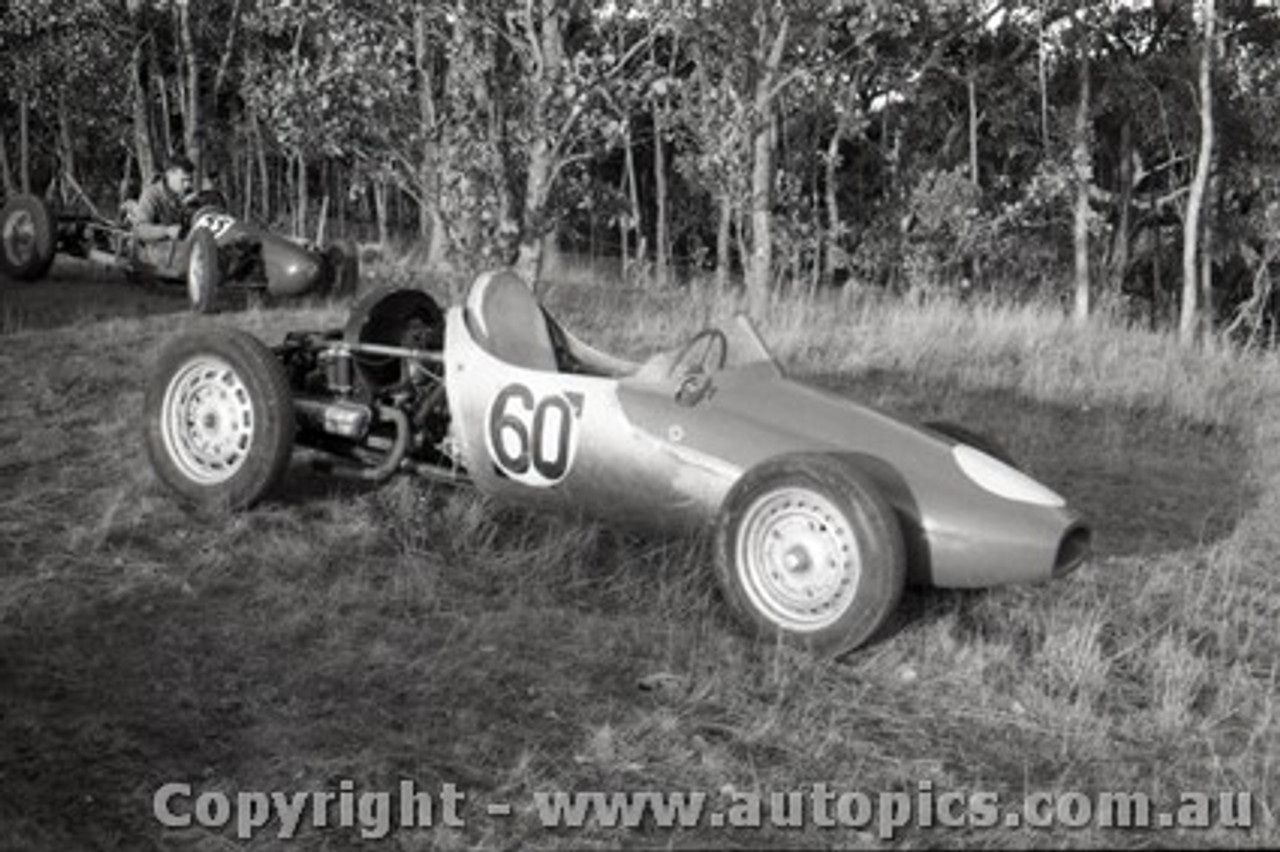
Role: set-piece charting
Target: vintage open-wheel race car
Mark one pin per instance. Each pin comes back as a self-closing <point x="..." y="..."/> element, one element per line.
<point x="821" y="509"/>
<point x="216" y="252"/>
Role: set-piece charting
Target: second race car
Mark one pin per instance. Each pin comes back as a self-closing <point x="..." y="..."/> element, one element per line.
<point x="216" y="252"/>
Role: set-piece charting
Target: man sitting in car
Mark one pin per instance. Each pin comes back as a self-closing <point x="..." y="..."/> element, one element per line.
<point x="158" y="213"/>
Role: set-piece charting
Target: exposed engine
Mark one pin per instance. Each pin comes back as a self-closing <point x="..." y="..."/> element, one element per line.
<point x="374" y="391"/>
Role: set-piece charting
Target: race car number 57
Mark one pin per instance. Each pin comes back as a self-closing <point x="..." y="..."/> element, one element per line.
<point x="218" y="223"/>
<point x="533" y="438"/>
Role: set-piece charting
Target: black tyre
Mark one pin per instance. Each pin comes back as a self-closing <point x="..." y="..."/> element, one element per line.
<point x="343" y="260"/>
<point x="808" y="551"/>
<point x="27" y="238"/>
<point x="393" y="317"/>
<point x="978" y="441"/>
<point x="220" y="422"/>
<point x="204" y="272"/>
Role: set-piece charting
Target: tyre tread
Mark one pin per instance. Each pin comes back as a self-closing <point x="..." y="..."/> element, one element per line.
<point x="265" y="376"/>
<point x="840" y="479"/>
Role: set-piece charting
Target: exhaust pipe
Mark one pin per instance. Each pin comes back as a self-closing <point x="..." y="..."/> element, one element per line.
<point x="377" y="469"/>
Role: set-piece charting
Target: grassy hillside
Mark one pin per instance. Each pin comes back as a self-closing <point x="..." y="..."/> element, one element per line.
<point x="342" y="632"/>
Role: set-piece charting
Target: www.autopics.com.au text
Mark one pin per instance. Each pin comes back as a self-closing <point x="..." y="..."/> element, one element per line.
<point x="376" y="813"/>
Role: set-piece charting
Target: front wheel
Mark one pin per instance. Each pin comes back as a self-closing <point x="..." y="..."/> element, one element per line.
<point x="343" y="261"/>
<point x="220" y="422"/>
<point x="204" y="272"/>
<point x="808" y="551"/>
<point x="27" y="242"/>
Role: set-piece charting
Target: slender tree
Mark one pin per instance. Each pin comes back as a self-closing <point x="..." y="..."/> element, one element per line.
<point x="1082" y="164"/>
<point x="1189" y="318"/>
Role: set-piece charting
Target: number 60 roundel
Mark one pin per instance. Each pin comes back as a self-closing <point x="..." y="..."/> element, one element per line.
<point x="531" y="438"/>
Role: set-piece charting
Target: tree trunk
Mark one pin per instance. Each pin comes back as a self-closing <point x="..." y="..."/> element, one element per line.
<point x="764" y="144"/>
<point x="304" y="199"/>
<point x="972" y="85"/>
<point x="322" y="223"/>
<point x="633" y="197"/>
<point x="66" y="149"/>
<point x="6" y="174"/>
<point x="831" y="198"/>
<point x="288" y="200"/>
<point x="1082" y="157"/>
<point x="143" y="149"/>
<point x="975" y="175"/>
<point x="1042" y="70"/>
<point x="724" y="237"/>
<point x="380" y="205"/>
<point x="547" y="44"/>
<point x="1120" y="246"/>
<point x="342" y="206"/>
<point x="166" y="116"/>
<point x="192" y="131"/>
<point x="24" y="143"/>
<point x="761" y="266"/>
<point x="431" y="225"/>
<point x="624" y="236"/>
<point x="1189" y="322"/>
<point x="1157" y="275"/>
<point x="222" y="74"/>
<point x="264" y="170"/>
<point x="282" y="187"/>
<point x="247" y="182"/>
<point x="898" y="196"/>
<point x="179" y="81"/>
<point x="662" y="246"/>
<point x="537" y="188"/>
<point x="1208" y="311"/>
<point x="126" y="175"/>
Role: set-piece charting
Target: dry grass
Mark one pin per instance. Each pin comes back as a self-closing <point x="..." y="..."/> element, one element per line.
<point x="344" y="632"/>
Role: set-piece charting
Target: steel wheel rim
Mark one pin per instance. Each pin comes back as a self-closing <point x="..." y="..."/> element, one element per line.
<point x="207" y="420"/>
<point x="196" y="273"/>
<point x="798" y="559"/>
<point x="20" y="237"/>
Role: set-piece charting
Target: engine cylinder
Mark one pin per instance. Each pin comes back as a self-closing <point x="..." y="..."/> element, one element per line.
<point x="343" y="419"/>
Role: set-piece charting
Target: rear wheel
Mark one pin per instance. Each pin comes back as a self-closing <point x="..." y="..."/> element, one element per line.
<point x="808" y="551"/>
<point x="393" y="317"/>
<point x="26" y="238"/>
<point x="204" y="272"/>
<point x="220" y="422"/>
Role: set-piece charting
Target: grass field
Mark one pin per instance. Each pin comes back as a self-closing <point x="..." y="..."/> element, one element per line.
<point x="342" y="633"/>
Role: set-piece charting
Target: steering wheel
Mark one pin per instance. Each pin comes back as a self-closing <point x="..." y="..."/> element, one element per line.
<point x="714" y="339"/>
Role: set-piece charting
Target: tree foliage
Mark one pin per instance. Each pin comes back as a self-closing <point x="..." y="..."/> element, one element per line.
<point x="923" y="144"/>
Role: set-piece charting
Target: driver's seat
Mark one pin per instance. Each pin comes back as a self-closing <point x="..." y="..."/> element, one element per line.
<point x="507" y="321"/>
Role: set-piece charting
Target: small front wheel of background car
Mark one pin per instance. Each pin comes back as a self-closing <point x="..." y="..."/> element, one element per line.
<point x="808" y="551"/>
<point x="204" y="272"/>
<point x="27" y="242"/>
<point x="220" y="422"/>
<point x="343" y="260"/>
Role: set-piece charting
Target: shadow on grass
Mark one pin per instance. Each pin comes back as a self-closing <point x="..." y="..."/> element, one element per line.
<point x="303" y="483"/>
<point x="1146" y="481"/>
<point x="237" y="684"/>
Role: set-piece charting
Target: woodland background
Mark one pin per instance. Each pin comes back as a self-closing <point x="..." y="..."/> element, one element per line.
<point x="1118" y="155"/>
